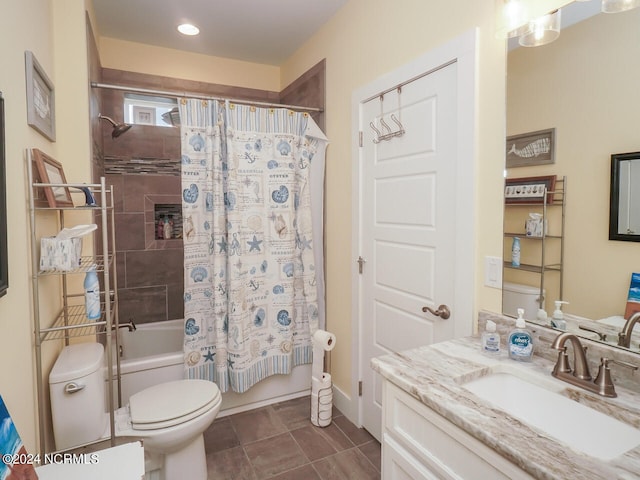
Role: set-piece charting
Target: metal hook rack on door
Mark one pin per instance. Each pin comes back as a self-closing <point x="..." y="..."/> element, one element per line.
<point x="387" y="133"/>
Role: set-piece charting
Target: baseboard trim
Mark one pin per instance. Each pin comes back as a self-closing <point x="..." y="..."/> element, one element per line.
<point x="346" y="405"/>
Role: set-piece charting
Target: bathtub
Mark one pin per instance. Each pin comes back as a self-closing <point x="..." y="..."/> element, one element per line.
<point x="152" y="354"/>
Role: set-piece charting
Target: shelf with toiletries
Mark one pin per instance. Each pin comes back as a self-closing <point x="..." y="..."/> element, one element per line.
<point x="534" y="238"/>
<point x="71" y="321"/>
<point x="72" y="236"/>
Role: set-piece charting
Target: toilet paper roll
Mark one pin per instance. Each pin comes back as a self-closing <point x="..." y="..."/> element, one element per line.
<point x="325" y="340"/>
<point x="322" y="341"/>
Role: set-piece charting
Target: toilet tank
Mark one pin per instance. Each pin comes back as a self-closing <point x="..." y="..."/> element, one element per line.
<point x="76" y="387"/>
<point x="516" y="295"/>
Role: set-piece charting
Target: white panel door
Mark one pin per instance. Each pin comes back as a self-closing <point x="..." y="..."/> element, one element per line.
<point x="408" y="224"/>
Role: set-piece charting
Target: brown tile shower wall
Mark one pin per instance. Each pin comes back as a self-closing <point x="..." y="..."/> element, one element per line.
<point x="143" y="166"/>
<point x="150" y="271"/>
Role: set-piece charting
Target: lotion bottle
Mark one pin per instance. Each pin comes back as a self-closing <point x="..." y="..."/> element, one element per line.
<point x="515" y="252"/>
<point x="520" y="343"/>
<point x="92" y="294"/>
<point x="491" y="339"/>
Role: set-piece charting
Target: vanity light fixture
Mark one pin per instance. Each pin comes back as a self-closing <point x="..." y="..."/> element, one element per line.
<point x="514" y="15"/>
<point x="188" y="29"/>
<point x="536" y="20"/>
<point x="615" y="6"/>
<point x="541" y="31"/>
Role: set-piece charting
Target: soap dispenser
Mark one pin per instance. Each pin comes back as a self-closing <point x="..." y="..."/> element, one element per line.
<point x="520" y="342"/>
<point x="557" y="320"/>
<point x="491" y="339"/>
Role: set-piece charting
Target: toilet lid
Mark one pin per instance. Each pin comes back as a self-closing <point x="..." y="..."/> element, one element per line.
<point x="172" y="403"/>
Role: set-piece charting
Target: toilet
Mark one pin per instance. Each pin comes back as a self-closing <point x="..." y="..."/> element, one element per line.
<point x="516" y="295"/>
<point x="169" y="418"/>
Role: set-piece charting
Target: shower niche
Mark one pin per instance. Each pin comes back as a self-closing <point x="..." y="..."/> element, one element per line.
<point x="167" y="221"/>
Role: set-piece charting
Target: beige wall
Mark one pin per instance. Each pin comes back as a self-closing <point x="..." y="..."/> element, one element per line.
<point x="23" y="26"/>
<point x="585" y="85"/>
<point x="363" y="41"/>
<point x="137" y="57"/>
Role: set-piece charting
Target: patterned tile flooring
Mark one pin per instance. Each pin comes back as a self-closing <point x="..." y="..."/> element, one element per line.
<point x="279" y="442"/>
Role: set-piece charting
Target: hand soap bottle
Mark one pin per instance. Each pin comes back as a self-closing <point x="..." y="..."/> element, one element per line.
<point x="491" y="339"/>
<point x="520" y="343"/>
<point x="557" y="320"/>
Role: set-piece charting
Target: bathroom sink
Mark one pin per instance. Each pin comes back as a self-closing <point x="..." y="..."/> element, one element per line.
<point x="537" y="402"/>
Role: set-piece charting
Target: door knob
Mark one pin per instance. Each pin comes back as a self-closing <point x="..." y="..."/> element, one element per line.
<point x="442" y="311"/>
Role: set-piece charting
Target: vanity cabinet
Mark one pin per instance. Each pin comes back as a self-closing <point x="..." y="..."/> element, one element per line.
<point x="61" y="325"/>
<point x="542" y="255"/>
<point x="418" y="443"/>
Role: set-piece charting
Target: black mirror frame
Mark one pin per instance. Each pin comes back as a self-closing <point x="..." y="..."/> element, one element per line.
<point x="4" y="257"/>
<point x="614" y="200"/>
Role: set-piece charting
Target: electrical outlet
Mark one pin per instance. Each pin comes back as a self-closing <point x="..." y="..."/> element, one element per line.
<point x="493" y="272"/>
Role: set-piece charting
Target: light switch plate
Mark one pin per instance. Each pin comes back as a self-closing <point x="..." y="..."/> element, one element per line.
<point x="493" y="272"/>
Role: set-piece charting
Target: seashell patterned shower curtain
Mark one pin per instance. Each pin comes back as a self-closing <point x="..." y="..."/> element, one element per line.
<point x="251" y="298"/>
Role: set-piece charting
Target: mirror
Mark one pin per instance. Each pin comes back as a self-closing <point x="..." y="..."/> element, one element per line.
<point x="4" y="257"/>
<point x="584" y="85"/>
<point x="624" y="214"/>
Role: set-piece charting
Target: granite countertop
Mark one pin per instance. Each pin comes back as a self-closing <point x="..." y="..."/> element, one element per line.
<point x="434" y="375"/>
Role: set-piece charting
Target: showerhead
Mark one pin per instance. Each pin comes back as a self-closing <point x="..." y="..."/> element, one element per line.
<point x="118" y="128"/>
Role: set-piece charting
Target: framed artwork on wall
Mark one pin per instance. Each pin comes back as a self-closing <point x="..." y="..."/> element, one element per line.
<point x="41" y="114"/>
<point x="144" y="115"/>
<point x="529" y="189"/>
<point x="50" y="171"/>
<point x="533" y="148"/>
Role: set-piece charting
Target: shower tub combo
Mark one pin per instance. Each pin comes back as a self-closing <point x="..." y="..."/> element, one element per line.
<point x="152" y="354"/>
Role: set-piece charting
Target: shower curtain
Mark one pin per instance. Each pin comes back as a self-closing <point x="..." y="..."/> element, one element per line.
<point x="251" y="279"/>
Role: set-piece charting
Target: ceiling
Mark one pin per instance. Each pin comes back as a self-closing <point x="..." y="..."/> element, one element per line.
<point x="258" y="31"/>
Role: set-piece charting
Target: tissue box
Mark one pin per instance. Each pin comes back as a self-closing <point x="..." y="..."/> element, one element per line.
<point x="533" y="227"/>
<point x="61" y="255"/>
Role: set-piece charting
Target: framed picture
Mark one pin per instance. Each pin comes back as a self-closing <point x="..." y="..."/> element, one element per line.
<point x="144" y="115"/>
<point x="50" y="170"/>
<point x="41" y="113"/>
<point x="4" y="254"/>
<point x="533" y="148"/>
<point x="529" y="189"/>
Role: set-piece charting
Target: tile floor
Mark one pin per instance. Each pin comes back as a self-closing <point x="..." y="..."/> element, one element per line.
<point x="279" y="442"/>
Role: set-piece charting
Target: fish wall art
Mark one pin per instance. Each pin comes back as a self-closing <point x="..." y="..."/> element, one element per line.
<point x="533" y="148"/>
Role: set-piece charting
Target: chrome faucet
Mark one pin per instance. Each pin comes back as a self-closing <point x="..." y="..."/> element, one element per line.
<point x="624" y="337"/>
<point x="580" y="376"/>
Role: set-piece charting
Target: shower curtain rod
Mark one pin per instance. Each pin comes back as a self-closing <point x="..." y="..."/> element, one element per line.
<point x="167" y="93"/>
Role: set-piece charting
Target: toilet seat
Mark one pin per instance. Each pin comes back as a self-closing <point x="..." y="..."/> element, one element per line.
<point x="172" y="403"/>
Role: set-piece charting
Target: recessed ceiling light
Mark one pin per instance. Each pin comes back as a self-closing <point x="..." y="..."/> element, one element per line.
<point x="188" y="29"/>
